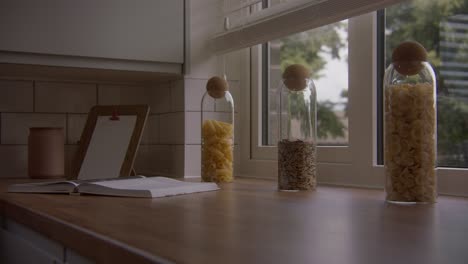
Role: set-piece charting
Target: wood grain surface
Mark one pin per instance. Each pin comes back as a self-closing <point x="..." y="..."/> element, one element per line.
<point x="249" y="221"/>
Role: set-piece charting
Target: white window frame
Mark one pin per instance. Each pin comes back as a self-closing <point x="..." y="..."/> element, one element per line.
<point x="352" y="165"/>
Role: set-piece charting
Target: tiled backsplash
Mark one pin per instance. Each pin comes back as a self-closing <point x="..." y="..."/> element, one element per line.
<point x="171" y="140"/>
<point x="30" y="103"/>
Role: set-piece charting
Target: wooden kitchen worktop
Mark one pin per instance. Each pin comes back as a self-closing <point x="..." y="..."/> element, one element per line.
<point x="249" y="222"/>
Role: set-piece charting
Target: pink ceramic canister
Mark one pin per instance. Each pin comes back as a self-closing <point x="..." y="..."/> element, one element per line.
<point x="46" y="151"/>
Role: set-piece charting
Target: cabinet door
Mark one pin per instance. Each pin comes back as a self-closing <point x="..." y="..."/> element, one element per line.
<point x="37" y="240"/>
<point x="14" y="249"/>
<point x="142" y="30"/>
<point x="72" y="257"/>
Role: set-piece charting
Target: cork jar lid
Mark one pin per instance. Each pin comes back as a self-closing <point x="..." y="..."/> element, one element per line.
<point x="217" y="87"/>
<point x="295" y="77"/>
<point x="407" y="57"/>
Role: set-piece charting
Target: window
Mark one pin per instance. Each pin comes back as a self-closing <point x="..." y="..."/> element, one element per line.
<point x="339" y="47"/>
<point x="442" y="28"/>
<point x="353" y="158"/>
<point x="325" y="51"/>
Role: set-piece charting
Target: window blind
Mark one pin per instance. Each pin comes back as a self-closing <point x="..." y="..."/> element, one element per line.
<point x="245" y="28"/>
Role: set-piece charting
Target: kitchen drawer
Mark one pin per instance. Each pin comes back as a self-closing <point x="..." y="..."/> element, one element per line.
<point x="72" y="257"/>
<point x="14" y="249"/>
<point x="40" y="242"/>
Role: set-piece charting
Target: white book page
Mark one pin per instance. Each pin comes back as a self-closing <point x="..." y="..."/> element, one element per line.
<point x="107" y="148"/>
<point x="44" y="187"/>
<point x="146" y="187"/>
<point x="149" y="183"/>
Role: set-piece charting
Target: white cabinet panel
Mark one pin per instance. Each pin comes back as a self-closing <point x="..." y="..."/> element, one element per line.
<point x="73" y="257"/>
<point x="42" y="243"/>
<point x="14" y="249"/>
<point x="141" y="30"/>
<point x="20" y="244"/>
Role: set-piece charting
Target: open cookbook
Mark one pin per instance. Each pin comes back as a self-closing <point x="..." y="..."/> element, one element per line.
<point x="138" y="186"/>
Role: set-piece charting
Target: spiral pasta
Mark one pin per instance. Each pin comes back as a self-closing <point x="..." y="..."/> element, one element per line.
<point x="217" y="149"/>
<point x="410" y="123"/>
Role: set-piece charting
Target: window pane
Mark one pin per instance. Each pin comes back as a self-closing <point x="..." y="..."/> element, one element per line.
<point x="325" y="51"/>
<point x="442" y="28"/>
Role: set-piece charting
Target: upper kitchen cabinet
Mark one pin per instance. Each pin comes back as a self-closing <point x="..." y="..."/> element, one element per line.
<point x="137" y="35"/>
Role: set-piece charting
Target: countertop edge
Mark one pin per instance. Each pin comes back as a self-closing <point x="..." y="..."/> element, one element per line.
<point x="94" y="246"/>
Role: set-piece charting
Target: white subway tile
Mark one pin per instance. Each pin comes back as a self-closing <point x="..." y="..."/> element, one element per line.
<point x="194" y="91"/>
<point x="221" y="105"/>
<point x="141" y="163"/>
<point x="192" y="128"/>
<point x="193" y="160"/>
<point x="157" y="96"/>
<point x="16" y="96"/>
<point x="76" y="124"/>
<point x="118" y="94"/>
<point x="161" y="160"/>
<point x="13" y="161"/>
<point x="161" y="98"/>
<point x="233" y="64"/>
<point x="177" y="96"/>
<point x="171" y="128"/>
<point x="64" y="97"/>
<point x="177" y="161"/>
<point x="70" y="158"/>
<point x="234" y="88"/>
<point x="151" y="131"/>
<point x="15" y="127"/>
<point x="220" y="116"/>
<point x="154" y="160"/>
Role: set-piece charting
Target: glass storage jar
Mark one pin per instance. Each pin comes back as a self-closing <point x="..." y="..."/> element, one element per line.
<point x="217" y="132"/>
<point x="297" y="146"/>
<point x="410" y="126"/>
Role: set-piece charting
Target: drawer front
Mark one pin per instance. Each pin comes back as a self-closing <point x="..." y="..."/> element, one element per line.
<point x="46" y="245"/>
<point x="73" y="257"/>
<point x="14" y="250"/>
